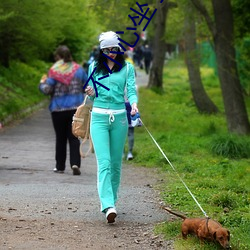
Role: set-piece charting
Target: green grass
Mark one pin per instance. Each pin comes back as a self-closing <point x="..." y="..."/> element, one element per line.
<point x="214" y="164"/>
<point x="19" y="87"/>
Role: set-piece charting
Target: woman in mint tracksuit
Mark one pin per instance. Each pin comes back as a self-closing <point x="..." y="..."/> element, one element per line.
<point x="109" y="123"/>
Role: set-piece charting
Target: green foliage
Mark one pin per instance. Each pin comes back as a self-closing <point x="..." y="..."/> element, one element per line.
<point x="219" y="183"/>
<point x="242" y="37"/>
<point x="113" y="15"/>
<point x="41" y="29"/>
<point x="117" y="12"/>
<point x="210" y="129"/>
<point x="174" y="25"/>
<point x="243" y="59"/>
<point x="231" y="146"/>
<point x="19" y="87"/>
<point x="170" y="230"/>
<point x="241" y="17"/>
<point x="176" y="18"/>
<point x="224" y="200"/>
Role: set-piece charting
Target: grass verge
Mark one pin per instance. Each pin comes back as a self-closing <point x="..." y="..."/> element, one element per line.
<point x="19" y="89"/>
<point x="214" y="164"/>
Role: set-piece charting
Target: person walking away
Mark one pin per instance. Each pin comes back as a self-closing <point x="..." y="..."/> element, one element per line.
<point x="64" y="84"/>
<point x="109" y="123"/>
<point x="147" y="58"/>
<point x="138" y="56"/>
<point x="130" y="127"/>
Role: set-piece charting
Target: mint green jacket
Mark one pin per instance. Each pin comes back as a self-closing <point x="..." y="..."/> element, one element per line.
<point x="119" y="83"/>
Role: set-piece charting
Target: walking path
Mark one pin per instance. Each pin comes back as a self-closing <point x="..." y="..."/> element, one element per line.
<point x="40" y="209"/>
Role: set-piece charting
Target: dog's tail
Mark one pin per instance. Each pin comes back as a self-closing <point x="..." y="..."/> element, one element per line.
<point x="175" y="213"/>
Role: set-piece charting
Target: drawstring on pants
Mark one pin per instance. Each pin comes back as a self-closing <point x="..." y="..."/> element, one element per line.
<point x="111" y="117"/>
<point x="109" y="112"/>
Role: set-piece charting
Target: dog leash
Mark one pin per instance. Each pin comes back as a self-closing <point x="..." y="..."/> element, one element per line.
<point x="174" y="169"/>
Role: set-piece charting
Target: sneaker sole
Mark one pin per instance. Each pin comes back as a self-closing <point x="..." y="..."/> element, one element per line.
<point x="111" y="217"/>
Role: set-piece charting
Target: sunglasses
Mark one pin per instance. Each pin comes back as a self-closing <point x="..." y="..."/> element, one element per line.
<point x="106" y="51"/>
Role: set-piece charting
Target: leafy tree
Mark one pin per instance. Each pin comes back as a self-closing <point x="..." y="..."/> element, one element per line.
<point x="21" y="35"/>
<point x="79" y="28"/>
<point x="175" y="24"/>
<point x="113" y="15"/>
<point x="241" y="18"/>
<point x="242" y="33"/>
<point x="28" y="33"/>
<point x="182" y="24"/>
<point x="201" y="99"/>
<point x="221" y="28"/>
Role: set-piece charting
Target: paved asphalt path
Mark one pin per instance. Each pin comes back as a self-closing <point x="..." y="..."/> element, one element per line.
<point x="30" y="189"/>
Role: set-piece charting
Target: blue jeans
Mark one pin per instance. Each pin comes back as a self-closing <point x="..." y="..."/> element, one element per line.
<point x="108" y="139"/>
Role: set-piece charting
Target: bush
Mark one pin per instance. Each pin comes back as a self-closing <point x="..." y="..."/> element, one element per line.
<point x="231" y="146"/>
<point x="19" y="88"/>
<point x="224" y="200"/>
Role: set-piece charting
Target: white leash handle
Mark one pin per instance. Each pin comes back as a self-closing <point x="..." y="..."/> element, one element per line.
<point x="174" y="169"/>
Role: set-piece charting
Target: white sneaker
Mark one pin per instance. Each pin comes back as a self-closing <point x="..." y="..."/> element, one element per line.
<point x="111" y="214"/>
<point x="58" y="171"/>
<point x="130" y="156"/>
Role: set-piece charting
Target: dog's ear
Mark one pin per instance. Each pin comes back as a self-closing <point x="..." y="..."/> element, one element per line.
<point x="228" y="237"/>
<point x="214" y="235"/>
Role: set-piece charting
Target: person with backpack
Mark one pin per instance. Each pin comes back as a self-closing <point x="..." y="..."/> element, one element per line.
<point x="109" y="123"/>
<point x="64" y="83"/>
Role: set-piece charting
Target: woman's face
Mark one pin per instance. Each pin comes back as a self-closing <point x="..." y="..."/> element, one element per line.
<point x="107" y="51"/>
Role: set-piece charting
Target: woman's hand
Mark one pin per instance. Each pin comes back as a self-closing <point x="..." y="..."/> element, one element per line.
<point x="134" y="109"/>
<point x="89" y="91"/>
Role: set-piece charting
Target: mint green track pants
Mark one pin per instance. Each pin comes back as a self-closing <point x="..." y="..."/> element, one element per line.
<point x="108" y="138"/>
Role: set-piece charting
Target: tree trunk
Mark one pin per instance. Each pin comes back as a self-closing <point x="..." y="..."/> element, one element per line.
<point x="201" y="99"/>
<point x="235" y="109"/>
<point x="159" y="46"/>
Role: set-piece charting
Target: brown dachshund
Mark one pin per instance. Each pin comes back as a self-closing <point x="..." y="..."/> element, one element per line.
<point x="204" y="229"/>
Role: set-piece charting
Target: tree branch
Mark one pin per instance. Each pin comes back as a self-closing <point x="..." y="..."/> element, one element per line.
<point x="202" y="9"/>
